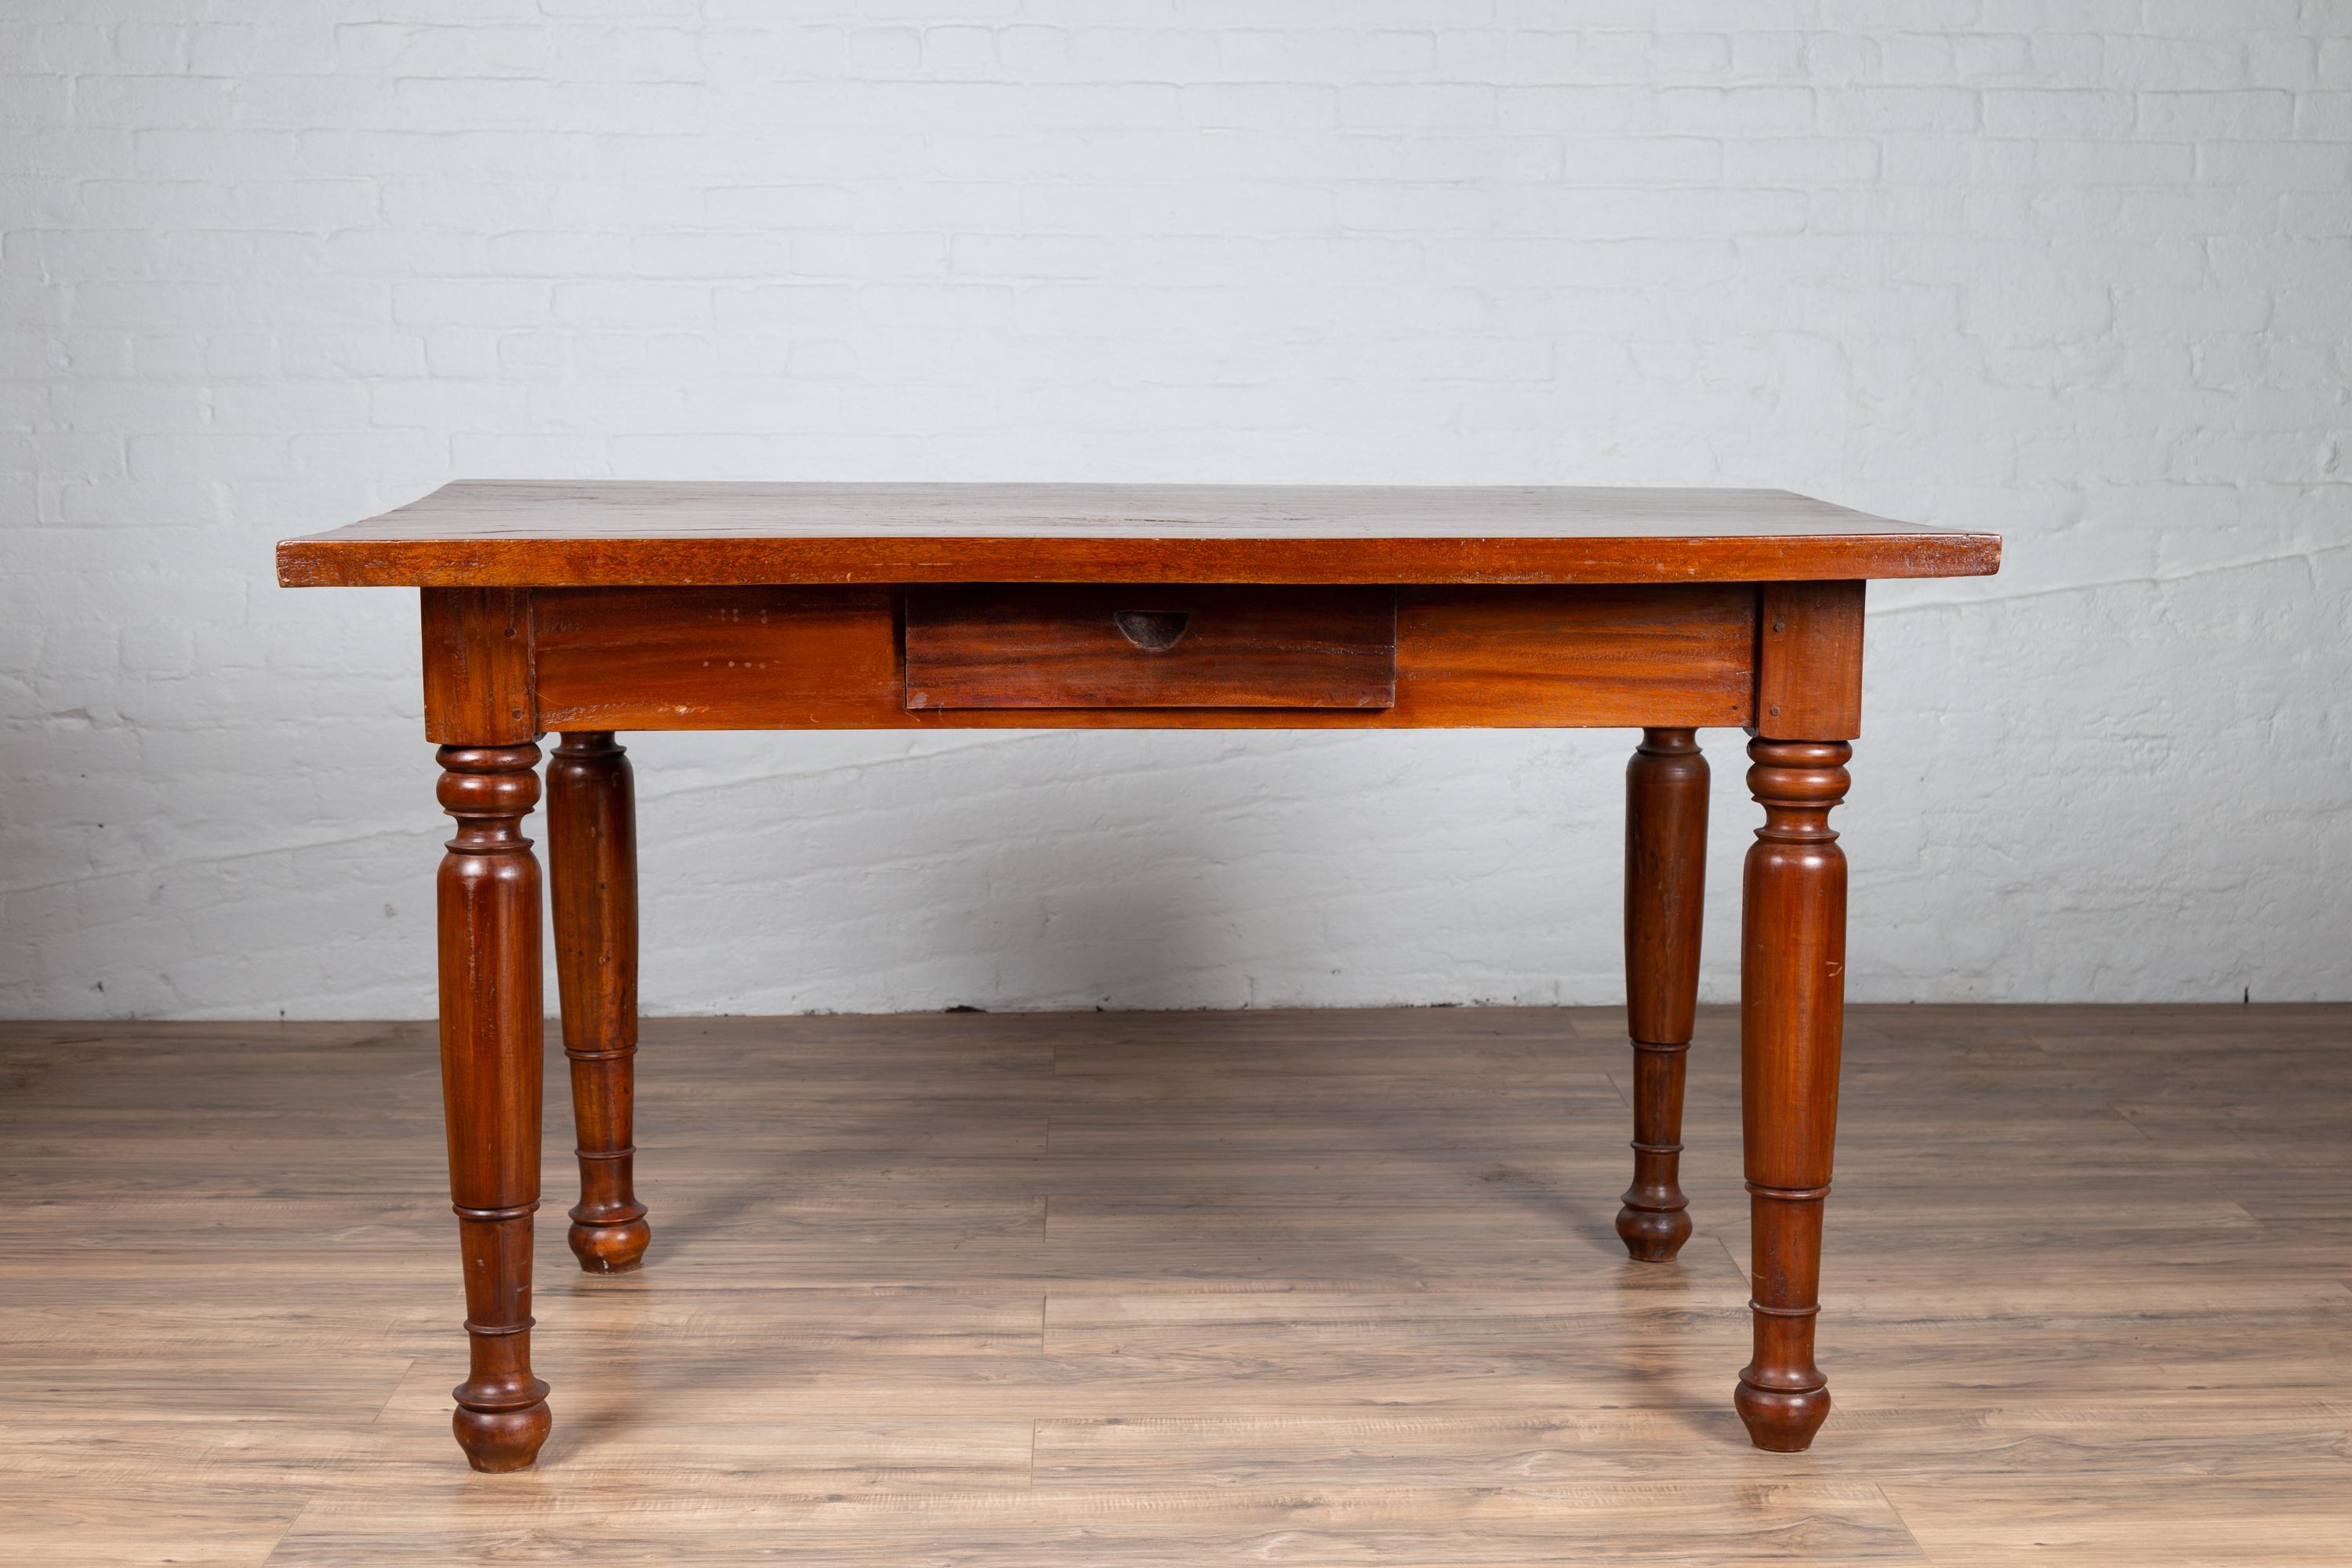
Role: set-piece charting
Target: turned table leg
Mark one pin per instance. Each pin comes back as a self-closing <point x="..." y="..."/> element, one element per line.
<point x="492" y="1042"/>
<point x="1791" y="1016"/>
<point x="1665" y="890"/>
<point x="592" y="849"/>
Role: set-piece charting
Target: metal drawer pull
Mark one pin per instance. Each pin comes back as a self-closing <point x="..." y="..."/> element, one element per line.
<point x="1153" y="631"/>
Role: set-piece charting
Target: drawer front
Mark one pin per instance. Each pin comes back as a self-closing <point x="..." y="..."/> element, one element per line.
<point x="1151" y="646"/>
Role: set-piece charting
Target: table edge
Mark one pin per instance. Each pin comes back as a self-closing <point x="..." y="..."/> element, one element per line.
<point x="320" y="561"/>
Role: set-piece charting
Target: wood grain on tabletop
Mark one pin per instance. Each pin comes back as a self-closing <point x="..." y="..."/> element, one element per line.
<point x="537" y="534"/>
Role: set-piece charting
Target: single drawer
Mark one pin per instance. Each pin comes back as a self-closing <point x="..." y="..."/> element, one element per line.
<point x="1149" y="646"/>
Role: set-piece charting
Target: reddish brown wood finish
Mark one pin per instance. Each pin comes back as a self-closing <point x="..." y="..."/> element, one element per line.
<point x="760" y="659"/>
<point x="1665" y="892"/>
<point x="1809" y="661"/>
<point x="1093" y="645"/>
<point x="491" y="1071"/>
<point x="1791" y="1026"/>
<point x="594" y="608"/>
<point x="618" y="532"/>
<point x="592" y="831"/>
<point x="478" y="667"/>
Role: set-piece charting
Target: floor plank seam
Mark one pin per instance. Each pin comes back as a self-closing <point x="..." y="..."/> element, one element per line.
<point x="269" y="1555"/>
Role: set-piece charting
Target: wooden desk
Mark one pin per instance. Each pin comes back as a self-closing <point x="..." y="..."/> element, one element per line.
<point x="593" y="608"/>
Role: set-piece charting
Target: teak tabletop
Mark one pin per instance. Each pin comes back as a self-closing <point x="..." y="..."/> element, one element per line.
<point x="607" y="533"/>
<point x="592" y="608"/>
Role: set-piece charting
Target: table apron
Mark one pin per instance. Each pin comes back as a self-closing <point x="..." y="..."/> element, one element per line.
<point x="832" y="658"/>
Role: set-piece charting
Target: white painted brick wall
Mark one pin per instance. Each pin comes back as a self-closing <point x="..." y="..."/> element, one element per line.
<point x="2080" y="272"/>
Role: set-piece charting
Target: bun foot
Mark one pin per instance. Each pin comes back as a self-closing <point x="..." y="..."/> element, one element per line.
<point x="1653" y="1235"/>
<point x="610" y="1248"/>
<point x="497" y="1441"/>
<point x="1781" y="1421"/>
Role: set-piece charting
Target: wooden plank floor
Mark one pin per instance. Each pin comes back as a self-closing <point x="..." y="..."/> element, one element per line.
<point x="1191" y="1288"/>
